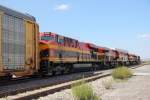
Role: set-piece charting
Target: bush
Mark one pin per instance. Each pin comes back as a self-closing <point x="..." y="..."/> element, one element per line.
<point x="122" y="73"/>
<point x="83" y="91"/>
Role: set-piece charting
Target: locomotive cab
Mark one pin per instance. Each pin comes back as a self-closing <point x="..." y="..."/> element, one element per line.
<point x="47" y="37"/>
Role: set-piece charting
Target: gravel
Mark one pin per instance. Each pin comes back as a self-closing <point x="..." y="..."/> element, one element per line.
<point x="136" y="88"/>
<point x="25" y="86"/>
<point x="99" y="89"/>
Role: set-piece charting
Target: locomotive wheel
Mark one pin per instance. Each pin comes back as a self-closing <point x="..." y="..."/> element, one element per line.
<point x="8" y="76"/>
<point x="53" y="73"/>
<point x="62" y="72"/>
<point x="66" y="71"/>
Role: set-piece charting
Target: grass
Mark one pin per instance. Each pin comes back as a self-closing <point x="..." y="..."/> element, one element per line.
<point x="122" y="73"/>
<point x="107" y="83"/>
<point x="83" y="91"/>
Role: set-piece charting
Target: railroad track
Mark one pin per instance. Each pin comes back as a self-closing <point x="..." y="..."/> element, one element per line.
<point x="41" y="83"/>
<point x="55" y="85"/>
<point x="52" y="89"/>
<point x="28" y="79"/>
<point x="15" y="81"/>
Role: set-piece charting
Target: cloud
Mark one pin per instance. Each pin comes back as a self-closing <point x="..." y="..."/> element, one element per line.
<point x="144" y="36"/>
<point x="62" y="7"/>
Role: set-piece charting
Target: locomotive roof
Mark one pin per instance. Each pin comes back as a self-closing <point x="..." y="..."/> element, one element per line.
<point x="58" y="35"/>
<point x="95" y="46"/>
<point x="16" y="13"/>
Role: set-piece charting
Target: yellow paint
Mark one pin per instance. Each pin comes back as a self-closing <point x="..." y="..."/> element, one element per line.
<point x="1" y="64"/>
<point x="37" y="57"/>
<point x="52" y="46"/>
<point x="67" y="59"/>
<point x="56" y="59"/>
<point x="29" y="42"/>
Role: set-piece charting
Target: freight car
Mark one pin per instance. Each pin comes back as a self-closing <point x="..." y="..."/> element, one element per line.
<point x="18" y="43"/>
<point x="60" y="54"/>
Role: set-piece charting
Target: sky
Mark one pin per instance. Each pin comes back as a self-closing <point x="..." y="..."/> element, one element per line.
<point x="123" y="24"/>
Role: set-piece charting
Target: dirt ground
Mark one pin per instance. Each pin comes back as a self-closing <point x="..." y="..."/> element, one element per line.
<point x="136" y="88"/>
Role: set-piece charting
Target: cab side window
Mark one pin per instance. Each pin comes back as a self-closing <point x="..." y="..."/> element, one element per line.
<point x="61" y="41"/>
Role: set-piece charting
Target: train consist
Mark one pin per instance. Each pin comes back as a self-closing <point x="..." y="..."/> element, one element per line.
<point x="60" y="54"/>
<point x="25" y="51"/>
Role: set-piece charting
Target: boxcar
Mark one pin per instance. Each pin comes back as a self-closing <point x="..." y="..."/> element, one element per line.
<point x="18" y="43"/>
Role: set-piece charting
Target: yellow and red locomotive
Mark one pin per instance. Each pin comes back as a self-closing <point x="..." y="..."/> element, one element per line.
<point x="60" y="54"/>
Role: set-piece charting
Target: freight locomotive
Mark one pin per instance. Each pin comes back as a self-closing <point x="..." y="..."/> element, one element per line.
<point x="25" y="51"/>
<point x="60" y="54"/>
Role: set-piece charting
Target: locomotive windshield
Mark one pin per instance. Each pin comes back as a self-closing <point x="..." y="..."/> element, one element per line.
<point x="47" y="38"/>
